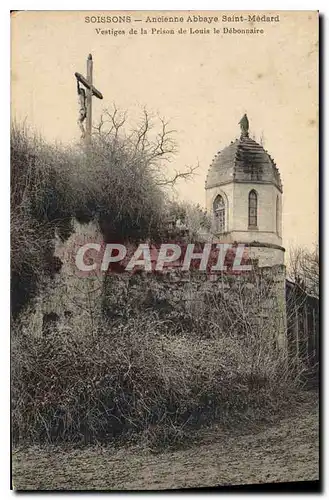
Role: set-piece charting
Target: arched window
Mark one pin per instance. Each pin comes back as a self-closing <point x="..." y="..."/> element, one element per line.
<point x="277" y="215"/>
<point x="252" y="209"/>
<point x="219" y="214"/>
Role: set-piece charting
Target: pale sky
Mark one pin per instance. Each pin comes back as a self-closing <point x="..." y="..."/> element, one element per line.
<point x="201" y="83"/>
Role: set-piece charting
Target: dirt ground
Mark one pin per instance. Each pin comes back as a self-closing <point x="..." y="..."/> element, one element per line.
<point x="286" y="451"/>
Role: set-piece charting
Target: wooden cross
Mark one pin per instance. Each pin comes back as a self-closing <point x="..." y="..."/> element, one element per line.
<point x="91" y="91"/>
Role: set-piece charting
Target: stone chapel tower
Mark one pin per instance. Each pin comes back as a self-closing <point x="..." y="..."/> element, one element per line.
<point x="244" y="198"/>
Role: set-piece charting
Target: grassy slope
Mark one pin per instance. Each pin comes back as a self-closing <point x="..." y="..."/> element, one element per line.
<point x="286" y="451"/>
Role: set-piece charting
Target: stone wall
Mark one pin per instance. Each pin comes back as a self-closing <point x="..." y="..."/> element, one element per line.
<point x="188" y="299"/>
<point x="183" y="299"/>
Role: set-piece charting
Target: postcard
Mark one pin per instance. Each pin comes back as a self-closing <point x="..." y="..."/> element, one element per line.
<point x="164" y="250"/>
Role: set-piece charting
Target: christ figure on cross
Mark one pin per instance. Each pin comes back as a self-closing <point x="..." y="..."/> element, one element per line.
<point x="85" y="99"/>
<point x="82" y="108"/>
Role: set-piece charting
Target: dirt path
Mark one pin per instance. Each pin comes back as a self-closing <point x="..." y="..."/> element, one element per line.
<point x="287" y="451"/>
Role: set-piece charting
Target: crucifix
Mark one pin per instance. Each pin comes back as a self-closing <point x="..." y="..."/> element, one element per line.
<point x="85" y="99"/>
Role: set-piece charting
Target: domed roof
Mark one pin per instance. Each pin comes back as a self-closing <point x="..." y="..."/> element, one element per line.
<point x="243" y="160"/>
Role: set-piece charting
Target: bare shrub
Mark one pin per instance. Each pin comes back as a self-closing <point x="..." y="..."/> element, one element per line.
<point x="304" y="269"/>
<point x="94" y="381"/>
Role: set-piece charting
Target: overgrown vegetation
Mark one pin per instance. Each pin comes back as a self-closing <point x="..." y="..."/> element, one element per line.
<point x="163" y="360"/>
<point x="119" y="183"/>
<point x="94" y="380"/>
<point x="154" y="361"/>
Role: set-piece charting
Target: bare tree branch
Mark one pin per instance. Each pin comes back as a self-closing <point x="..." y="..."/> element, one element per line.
<point x="146" y="148"/>
<point x="179" y="175"/>
<point x="303" y="269"/>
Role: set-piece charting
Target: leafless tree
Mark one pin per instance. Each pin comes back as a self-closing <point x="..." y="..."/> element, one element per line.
<point x="150" y="142"/>
<point x="303" y="269"/>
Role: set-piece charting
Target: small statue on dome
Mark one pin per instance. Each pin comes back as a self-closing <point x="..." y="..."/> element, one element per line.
<point x="244" y="125"/>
